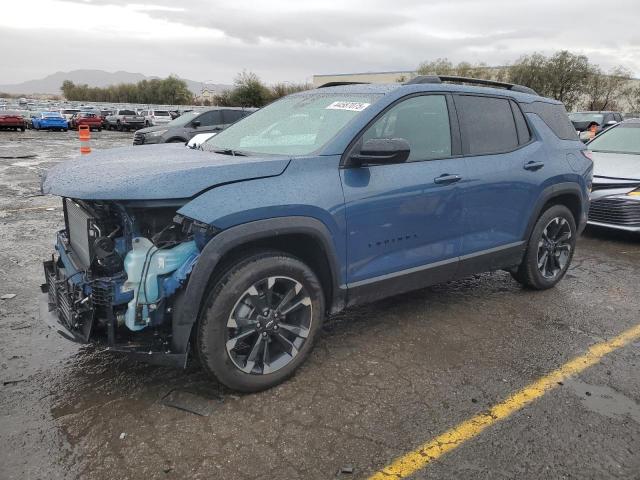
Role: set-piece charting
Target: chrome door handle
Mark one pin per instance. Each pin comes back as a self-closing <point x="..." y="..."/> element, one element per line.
<point x="533" y="165"/>
<point x="446" y="179"/>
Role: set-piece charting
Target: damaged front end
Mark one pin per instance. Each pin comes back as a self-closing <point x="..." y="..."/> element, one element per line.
<point x="117" y="274"/>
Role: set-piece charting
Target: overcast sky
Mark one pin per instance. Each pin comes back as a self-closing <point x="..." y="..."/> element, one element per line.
<point x="209" y="40"/>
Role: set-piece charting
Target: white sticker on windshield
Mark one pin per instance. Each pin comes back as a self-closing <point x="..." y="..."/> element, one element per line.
<point x="351" y="106"/>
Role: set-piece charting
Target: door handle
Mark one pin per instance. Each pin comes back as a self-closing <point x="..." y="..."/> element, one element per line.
<point x="446" y="179"/>
<point x="533" y="165"/>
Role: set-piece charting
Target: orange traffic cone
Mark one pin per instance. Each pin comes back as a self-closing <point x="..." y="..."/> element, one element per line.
<point x="84" y="133"/>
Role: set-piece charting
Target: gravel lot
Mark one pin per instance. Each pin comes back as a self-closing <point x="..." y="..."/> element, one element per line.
<point x="383" y="378"/>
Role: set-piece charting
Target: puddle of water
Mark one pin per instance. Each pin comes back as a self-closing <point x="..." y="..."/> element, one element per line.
<point x="605" y="400"/>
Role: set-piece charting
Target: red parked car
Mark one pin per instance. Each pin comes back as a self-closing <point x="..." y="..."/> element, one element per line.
<point x="12" y="121"/>
<point x="93" y="120"/>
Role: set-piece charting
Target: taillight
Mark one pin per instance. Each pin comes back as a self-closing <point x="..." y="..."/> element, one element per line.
<point x="587" y="154"/>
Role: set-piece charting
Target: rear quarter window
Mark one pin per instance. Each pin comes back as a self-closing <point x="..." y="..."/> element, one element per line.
<point x="555" y="116"/>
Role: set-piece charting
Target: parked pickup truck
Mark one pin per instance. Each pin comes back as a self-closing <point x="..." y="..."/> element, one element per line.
<point x="124" y="120"/>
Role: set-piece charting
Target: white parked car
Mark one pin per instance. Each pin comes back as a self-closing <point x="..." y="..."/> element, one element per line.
<point x="67" y="113"/>
<point x="156" y="117"/>
<point x="199" y="139"/>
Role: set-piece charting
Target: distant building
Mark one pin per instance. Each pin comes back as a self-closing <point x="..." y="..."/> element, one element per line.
<point x="207" y="95"/>
<point x="399" y="76"/>
<point x="367" y="77"/>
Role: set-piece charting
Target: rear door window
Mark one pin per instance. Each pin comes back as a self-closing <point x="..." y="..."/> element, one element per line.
<point x="422" y="121"/>
<point x="524" y="135"/>
<point x="210" y="118"/>
<point x="487" y="125"/>
<point x="232" y="116"/>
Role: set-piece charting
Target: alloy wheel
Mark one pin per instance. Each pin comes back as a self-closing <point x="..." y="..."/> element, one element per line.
<point x="268" y="325"/>
<point x="554" y="248"/>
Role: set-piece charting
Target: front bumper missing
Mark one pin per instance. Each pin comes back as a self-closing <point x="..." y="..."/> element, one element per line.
<point x="64" y="311"/>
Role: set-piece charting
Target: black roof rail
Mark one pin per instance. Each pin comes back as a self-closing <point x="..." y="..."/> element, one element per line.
<point x="477" y="81"/>
<point x="339" y="84"/>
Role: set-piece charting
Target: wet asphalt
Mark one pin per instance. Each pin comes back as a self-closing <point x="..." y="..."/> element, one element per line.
<point x="383" y="378"/>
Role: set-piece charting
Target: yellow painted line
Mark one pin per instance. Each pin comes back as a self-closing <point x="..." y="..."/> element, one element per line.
<point x="31" y="208"/>
<point x="428" y="452"/>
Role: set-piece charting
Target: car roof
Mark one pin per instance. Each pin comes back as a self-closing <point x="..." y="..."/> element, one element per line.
<point x="387" y="88"/>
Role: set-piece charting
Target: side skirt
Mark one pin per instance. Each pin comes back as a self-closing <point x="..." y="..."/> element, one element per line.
<point x="377" y="288"/>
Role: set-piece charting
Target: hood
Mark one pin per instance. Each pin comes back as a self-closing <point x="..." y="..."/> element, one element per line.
<point x="153" y="172"/>
<point x="623" y="166"/>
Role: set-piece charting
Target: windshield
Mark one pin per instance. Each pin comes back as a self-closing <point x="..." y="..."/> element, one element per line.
<point x="183" y="119"/>
<point x="160" y="113"/>
<point x="621" y="139"/>
<point x="586" y="117"/>
<point x="295" y="125"/>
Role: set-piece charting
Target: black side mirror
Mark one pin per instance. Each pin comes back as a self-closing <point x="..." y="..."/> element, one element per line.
<point x="382" y="151"/>
<point x="195" y="123"/>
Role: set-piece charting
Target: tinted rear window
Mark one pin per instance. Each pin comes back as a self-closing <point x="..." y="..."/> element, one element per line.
<point x="555" y="116"/>
<point x="161" y="113"/>
<point x="231" y="116"/>
<point x="127" y="112"/>
<point x="487" y="125"/>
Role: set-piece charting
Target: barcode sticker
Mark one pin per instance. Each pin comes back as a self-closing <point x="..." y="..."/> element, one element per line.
<point x="351" y="106"/>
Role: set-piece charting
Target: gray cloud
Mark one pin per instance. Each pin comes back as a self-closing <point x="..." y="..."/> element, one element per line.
<point x="283" y="40"/>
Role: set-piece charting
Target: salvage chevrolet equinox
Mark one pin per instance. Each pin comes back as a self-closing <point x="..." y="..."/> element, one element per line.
<point x="324" y="199"/>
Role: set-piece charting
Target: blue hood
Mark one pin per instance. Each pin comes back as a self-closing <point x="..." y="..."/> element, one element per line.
<point x="153" y="172"/>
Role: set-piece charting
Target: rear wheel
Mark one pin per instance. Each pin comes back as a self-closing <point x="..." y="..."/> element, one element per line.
<point x="259" y="321"/>
<point x="550" y="249"/>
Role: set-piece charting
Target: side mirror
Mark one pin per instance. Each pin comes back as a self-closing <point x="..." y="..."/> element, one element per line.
<point x="382" y="151"/>
<point x="610" y="123"/>
<point x="195" y="123"/>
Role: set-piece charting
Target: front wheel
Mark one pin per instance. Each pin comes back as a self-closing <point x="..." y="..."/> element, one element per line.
<point x="550" y="249"/>
<point x="259" y="321"/>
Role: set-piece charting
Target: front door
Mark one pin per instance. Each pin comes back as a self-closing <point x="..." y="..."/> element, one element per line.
<point x="404" y="221"/>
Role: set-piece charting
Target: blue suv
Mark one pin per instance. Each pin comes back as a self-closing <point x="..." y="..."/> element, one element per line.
<point x="324" y="199"/>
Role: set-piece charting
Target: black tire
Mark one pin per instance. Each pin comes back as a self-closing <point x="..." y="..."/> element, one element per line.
<point x="555" y="234"/>
<point x="64" y="129"/>
<point x="230" y="293"/>
<point x="119" y="127"/>
<point x="22" y="129"/>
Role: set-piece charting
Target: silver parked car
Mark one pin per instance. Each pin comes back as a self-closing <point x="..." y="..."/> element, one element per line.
<point x="615" y="195"/>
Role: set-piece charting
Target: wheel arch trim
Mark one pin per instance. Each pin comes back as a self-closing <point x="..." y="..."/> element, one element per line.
<point x="554" y="191"/>
<point x="189" y="301"/>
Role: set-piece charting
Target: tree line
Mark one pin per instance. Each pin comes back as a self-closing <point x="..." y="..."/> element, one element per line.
<point x="167" y="91"/>
<point x="564" y="76"/>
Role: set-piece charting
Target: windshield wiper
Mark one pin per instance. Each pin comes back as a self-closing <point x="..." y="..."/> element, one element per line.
<point x="228" y="151"/>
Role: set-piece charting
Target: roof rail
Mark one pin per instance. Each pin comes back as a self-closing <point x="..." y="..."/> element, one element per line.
<point x="477" y="81"/>
<point x="339" y="84"/>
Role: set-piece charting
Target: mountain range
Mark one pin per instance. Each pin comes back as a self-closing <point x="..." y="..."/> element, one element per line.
<point x="94" y="78"/>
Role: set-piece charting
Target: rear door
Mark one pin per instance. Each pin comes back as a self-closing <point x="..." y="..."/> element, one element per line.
<point x="503" y="163"/>
<point x="210" y="121"/>
<point x="404" y="221"/>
